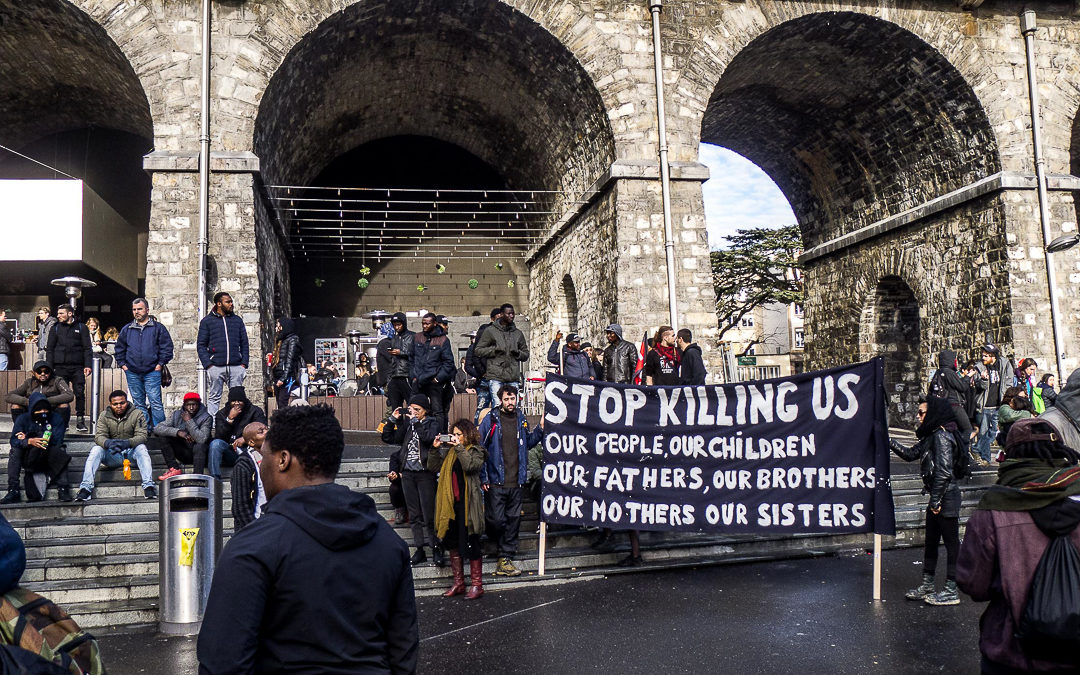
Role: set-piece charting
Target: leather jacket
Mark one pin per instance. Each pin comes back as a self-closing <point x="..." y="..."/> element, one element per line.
<point x="620" y="362"/>
<point x="935" y="453"/>
<point x="290" y="359"/>
<point x="403" y="341"/>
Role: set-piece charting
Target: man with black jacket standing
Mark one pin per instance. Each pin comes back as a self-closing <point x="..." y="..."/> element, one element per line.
<point x="620" y="356"/>
<point x="432" y="366"/>
<point x="946" y="383"/>
<point x="993" y="374"/>
<point x="505" y="348"/>
<point x="70" y="353"/>
<point x="229" y="424"/>
<point x="398" y="386"/>
<point x="288" y="361"/>
<point x="691" y="365"/>
<point x="416" y="462"/>
<point x="320" y="583"/>
<point x="222" y="346"/>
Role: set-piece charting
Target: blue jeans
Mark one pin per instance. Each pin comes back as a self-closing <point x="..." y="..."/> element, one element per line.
<point x="988" y="430"/>
<point x="3" y="361"/>
<point x="484" y="398"/>
<point x="114" y="459"/>
<point x="221" y="452"/>
<point x="145" y="388"/>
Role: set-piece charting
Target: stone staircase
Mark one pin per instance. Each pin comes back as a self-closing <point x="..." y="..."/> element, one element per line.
<point x="99" y="559"/>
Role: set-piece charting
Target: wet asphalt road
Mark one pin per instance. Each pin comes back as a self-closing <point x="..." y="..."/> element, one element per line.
<point x="800" y="616"/>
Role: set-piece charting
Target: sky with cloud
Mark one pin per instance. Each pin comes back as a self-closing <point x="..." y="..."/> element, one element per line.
<point x="739" y="195"/>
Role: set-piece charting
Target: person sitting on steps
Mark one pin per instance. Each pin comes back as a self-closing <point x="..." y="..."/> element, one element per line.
<point x="37" y="445"/>
<point x="120" y="435"/>
<point x="43" y="381"/>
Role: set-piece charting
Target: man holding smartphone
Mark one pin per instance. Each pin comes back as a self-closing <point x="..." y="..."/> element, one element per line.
<point x="416" y="463"/>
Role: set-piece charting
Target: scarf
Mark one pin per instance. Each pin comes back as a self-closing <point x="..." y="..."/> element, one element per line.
<point x="670" y="353"/>
<point x="444" y="495"/>
<point x="1029" y="484"/>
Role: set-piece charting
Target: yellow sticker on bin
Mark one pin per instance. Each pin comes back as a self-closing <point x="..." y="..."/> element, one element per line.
<point x="187" y="545"/>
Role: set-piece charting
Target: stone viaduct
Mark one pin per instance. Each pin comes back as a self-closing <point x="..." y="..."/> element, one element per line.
<point x="898" y="130"/>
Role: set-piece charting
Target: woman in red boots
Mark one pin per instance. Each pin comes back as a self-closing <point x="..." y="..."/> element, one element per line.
<point x="459" y="506"/>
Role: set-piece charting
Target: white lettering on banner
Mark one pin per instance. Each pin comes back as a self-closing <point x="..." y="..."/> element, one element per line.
<point x="723" y="419"/>
<point x="704" y="416"/>
<point x="786" y="413"/>
<point x="844" y="384"/>
<point x="585" y="391"/>
<point x="608" y="396"/>
<point x="668" y="399"/>
<point x="635" y="401"/>
<point x="761" y="403"/>
<point x="822" y="409"/>
<point x="551" y="392"/>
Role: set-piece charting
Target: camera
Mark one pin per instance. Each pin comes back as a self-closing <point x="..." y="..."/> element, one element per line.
<point x="446" y="438"/>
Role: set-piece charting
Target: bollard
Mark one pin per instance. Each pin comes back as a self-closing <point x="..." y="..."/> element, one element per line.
<point x="189" y="532"/>
<point x="95" y="391"/>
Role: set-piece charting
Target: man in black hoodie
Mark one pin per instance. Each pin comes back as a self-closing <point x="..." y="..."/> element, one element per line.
<point x="432" y="366"/>
<point x="320" y="583"/>
<point x="37" y="444"/>
<point x="398" y="386"/>
<point x="691" y="365"/>
<point x="229" y="424"/>
<point x="946" y="383"/>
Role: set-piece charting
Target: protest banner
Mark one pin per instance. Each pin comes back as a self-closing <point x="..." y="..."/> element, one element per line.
<point x="802" y="454"/>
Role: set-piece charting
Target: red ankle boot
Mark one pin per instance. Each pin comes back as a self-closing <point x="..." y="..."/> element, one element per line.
<point x="476" y="572"/>
<point x="458" y="568"/>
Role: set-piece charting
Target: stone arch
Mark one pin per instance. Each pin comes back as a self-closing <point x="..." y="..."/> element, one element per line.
<point x="854" y="117"/>
<point x="890" y="327"/>
<point x="565" y="316"/>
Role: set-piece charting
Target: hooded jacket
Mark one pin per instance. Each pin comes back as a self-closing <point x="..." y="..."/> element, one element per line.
<point x="143" y="348"/>
<point x="229" y="430"/>
<point x="432" y="357"/>
<point x="692" y="366"/>
<point x="319" y="584"/>
<point x="56" y="389"/>
<point x="1065" y="415"/>
<point x="403" y="342"/>
<point x="222" y="341"/>
<point x="1048" y="393"/>
<point x="130" y="427"/>
<point x="575" y="363"/>
<point x="947" y="381"/>
<point x="620" y="362"/>
<point x="53" y="459"/>
<point x="938" y="441"/>
<point x="504" y="347"/>
<point x="69" y="345"/>
<point x="1001" y="366"/>
<point x="198" y="427"/>
<point x="289" y="355"/>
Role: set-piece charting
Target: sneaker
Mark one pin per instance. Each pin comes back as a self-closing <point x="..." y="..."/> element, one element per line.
<point x="630" y="561"/>
<point x="83" y="496"/>
<point x="922" y="590"/>
<point x="505" y="568"/>
<point x="81" y="426"/>
<point x="12" y="497"/>
<point x="63" y="494"/>
<point x="173" y="471"/>
<point x="946" y="596"/>
<point x="418" y="558"/>
<point x="979" y="461"/>
<point x="150" y="492"/>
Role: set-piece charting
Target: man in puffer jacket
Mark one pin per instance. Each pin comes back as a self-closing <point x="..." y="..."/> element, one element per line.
<point x="288" y="360"/>
<point x="575" y="363"/>
<point x="185" y="435"/>
<point x="142" y="350"/>
<point x="120" y="435"/>
<point x="505" y="348"/>
<point x="222" y="346"/>
<point x="432" y="366"/>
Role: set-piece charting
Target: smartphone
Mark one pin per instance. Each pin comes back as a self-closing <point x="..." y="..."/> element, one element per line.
<point x="446" y="438"/>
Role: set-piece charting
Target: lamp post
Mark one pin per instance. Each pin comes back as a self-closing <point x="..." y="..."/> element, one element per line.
<point x="1028" y="28"/>
<point x="73" y="287"/>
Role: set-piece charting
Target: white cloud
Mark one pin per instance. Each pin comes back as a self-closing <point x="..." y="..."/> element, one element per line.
<point x="739" y="195"/>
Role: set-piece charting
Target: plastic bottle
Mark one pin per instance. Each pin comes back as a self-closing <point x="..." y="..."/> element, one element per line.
<point x="47" y="435"/>
<point x="127" y="469"/>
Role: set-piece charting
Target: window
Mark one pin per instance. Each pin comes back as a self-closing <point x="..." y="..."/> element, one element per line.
<point x="747" y="322"/>
<point x="751" y="350"/>
<point x="798" y="311"/>
<point x="800" y="338"/>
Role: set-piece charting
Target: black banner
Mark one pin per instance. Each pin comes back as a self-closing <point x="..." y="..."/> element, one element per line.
<point x="807" y="453"/>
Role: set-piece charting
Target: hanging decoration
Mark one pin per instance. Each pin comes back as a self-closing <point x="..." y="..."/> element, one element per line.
<point x="510" y="283"/>
<point x="473" y="283"/>
<point x="440" y="268"/>
<point x="498" y="266"/>
<point x="362" y="283"/>
<point x="421" y="287"/>
<point x="319" y="282"/>
<point x="365" y="271"/>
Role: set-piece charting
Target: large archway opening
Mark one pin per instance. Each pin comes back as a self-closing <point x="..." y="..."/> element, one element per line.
<point x="855" y="119"/>
<point x="78" y="107"/>
<point x="474" y="114"/>
<point x="890" y="328"/>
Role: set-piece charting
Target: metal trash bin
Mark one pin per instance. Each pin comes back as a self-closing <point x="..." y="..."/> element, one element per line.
<point x="189" y="532"/>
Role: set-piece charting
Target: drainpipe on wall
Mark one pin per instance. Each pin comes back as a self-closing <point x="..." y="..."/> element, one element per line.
<point x="204" y="182"/>
<point x="665" y="171"/>
<point x="1028" y="27"/>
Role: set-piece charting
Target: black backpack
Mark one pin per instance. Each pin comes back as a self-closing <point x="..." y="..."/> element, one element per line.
<point x="474" y="365"/>
<point x="937" y="385"/>
<point x="1049" y="628"/>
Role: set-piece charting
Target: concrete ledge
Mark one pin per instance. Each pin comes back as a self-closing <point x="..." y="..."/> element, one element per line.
<point x="188" y="162"/>
<point x="1003" y="180"/>
<point x="623" y="169"/>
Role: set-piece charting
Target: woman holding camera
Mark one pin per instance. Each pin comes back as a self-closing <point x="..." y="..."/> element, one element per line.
<point x="459" y="505"/>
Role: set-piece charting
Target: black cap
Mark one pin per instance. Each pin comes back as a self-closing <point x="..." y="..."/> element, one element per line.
<point x="420" y="400"/>
<point x="42" y="364"/>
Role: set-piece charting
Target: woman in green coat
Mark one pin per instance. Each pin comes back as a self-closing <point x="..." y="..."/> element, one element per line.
<point x="459" y="506"/>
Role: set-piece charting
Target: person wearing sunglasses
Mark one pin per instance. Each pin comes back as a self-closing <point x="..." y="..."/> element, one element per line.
<point x="42" y="381"/>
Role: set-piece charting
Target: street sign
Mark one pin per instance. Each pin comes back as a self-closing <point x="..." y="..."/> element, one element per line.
<point x="747" y="360"/>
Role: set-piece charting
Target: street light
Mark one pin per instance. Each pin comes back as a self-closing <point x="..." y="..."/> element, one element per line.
<point x="1063" y="243"/>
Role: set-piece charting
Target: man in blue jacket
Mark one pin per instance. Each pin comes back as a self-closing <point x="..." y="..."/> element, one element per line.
<point x="432" y="365"/>
<point x="575" y="363"/>
<point x="142" y="350"/>
<point x="320" y="583"/>
<point x="223" y="349"/>
<point x="507" y="437"/>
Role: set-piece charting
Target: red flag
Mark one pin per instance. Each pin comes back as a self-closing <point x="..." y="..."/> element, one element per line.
<point x="639" y="377"/>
